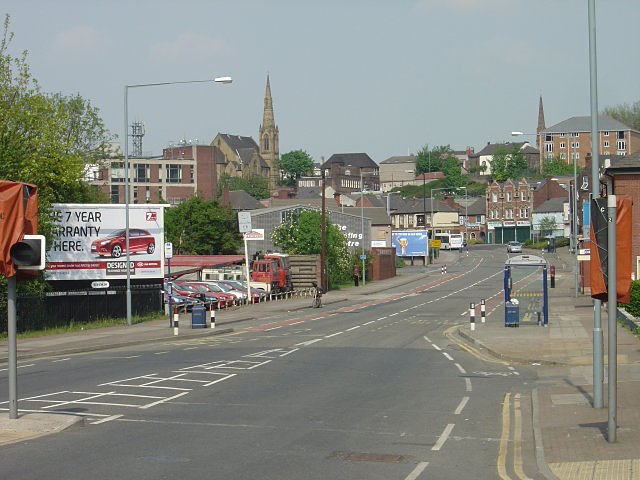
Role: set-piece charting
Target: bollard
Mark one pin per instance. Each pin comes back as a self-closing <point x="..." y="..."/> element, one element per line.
<point x="483" y="312"/>
<point x="176" y="321"/>
<point x="472" y="315"/>
<point x="212" y="314"/>
<point x="539" y="322"/>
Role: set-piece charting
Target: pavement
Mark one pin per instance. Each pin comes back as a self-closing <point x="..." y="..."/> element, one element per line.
<point x="571" y="435"/>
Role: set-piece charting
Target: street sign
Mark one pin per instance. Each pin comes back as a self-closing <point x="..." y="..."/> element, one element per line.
<point x="257" y="234"/>
<point x="168" y="250"/>
<point x="244" y="221"/>
<point x="363" y="257"/>
<point x="435" y="243"/>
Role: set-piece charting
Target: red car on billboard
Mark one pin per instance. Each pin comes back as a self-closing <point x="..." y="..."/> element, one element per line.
<point x="114" y="244"/>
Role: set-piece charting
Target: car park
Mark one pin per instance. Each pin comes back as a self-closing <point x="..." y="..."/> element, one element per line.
<point x="204" y="296"/>
<point x="224" y="299"/>
<point x="219" y="284"/>
<point x="514" y="247"/>
<point x="180" y="301"/>
<point x="256" y="294"/>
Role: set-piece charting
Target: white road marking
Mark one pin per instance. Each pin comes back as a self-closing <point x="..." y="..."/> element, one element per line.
<point x="289" y="352"/>
<point x="164" y="400"/>
<point x="510" y="368"/>
<point x="417" y="471"/>
<point x="353" y="328"/>
<point x="381" y="318"/>
<point x="394" y="314"/>
<point x="273" y="328"/>
<point x="61" y="360"/>
<point x="19" y="366"/>
<point x="443" y="437"/>
<point x="467" y="381"/>
<point x="107" y="419"/>
<point x="427" y="339"/>
<point x="448" y="356"/>
<point x="462" y="370"/>
<point x="461" y="405"/>
<point x="333" y="334"/>
<point x="372" y="321"/>
<point x="160" y="353"/>
<point x="308" y="342"/>
<point x="436" y="346"/>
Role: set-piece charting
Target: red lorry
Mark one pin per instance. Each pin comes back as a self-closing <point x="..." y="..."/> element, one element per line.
<point x="271" y="272"/>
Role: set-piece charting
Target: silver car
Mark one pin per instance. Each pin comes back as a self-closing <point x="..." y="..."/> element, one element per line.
<point x="514" y="247"/>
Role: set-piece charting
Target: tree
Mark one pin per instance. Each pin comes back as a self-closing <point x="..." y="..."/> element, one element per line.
<point x="556" y="166"/>
<point x="302" y="235"/>
<point x="629" y="114"/>
<point x="45" y="139"/>
<point x="508" y="162"/>
<point x="547" y="225"/>
<point x="201" y="227"/>
<point x="254" y="185"/>
<point x="294" y="165"/>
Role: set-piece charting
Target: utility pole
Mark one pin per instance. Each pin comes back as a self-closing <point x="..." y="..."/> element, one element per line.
<point x="323" y="251"/>
<point x="364" y="273"/>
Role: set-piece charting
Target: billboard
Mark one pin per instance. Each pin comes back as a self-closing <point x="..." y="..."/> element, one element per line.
<point x="89" y="242"/>
<point x="409" y="242"/>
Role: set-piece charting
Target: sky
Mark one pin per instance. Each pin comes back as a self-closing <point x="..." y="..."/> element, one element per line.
<point x="381" y="77"/>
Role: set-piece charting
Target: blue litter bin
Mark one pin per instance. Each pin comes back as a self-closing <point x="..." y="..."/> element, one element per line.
<point x="511" y="314"/>
<point x="198" y="317"/>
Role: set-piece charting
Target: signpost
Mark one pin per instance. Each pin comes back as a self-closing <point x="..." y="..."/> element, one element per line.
<point x="244" y="226"/>
<point x="168" y="254"/>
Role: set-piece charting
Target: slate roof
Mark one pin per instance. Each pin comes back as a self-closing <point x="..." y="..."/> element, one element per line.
<point x="553" y="205"/>
<point x="479" y="207"/>
<point x="378" y="215"/>
<point x="245" y="147"/>
<point x="400" y="159"/>
<point x="490" y="148"/>
<point x="241" y="200"/>
<point x="361" y="160"/>
<point x="583" y="124"/>
<point x="624" y="162"/>
<point x="417" y="205"/>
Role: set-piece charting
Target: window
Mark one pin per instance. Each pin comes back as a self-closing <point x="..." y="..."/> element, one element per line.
<point x="575" y="134"/>
<point x="524" y="196"/>
<point x="606" y="134"/>
<point x="135" y="194"/>
<point x="548" y="156"/>
<point x="148" y="194"/>
<point x="606" y="143"/>
<point x="622" y="145"/>
<point x="141" y="172"/>
<point x="563" y="145"/>
<point x="509" y="197"/>
<point x="494" y="196"/>
<point x="563" y="156"/>
<point x="191" y="179"/>
<point x="621" y="135"/>
<point x="548" y="137"/>
<point x="548" y="147"/>
<point x="115" y="194"/>
<point x="117" y="172"/>
<point x="575" y="155"/>
<point x="420" y="221"/>
<point x="517" y="195"/>
<point x="265" y="143"/>
<point x="174" y="173"/>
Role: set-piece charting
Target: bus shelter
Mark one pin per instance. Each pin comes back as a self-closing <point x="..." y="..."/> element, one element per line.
<point x="525" y="291"/>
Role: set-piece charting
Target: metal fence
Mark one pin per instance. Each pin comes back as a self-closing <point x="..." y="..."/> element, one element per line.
<point x="61" y="309"/>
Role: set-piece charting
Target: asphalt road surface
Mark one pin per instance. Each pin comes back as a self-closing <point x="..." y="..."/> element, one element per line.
<point x="374" y="389"/>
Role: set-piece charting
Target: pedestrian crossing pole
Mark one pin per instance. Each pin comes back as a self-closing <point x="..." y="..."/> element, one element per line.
<point x="483" y="311"/>
<point x="472" y="316"/>
<point x="176" y="321"/>
<point x="213" y="317"/>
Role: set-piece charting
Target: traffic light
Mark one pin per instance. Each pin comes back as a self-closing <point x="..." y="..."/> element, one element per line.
<point x="28" y="254"/>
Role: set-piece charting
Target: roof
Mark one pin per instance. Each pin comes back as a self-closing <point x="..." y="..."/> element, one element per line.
<point x="205" y="260"/>
<point x="309" y="192"/>
<point x="618" y="163"/>
<point x="419" y="205"/>
<point x="479" y="207"/>
<point x="378" y="215"/>
<point x="553" y="205"/>
<point x="400" y="159"/>
<point x="245" y="148"/>
<point x="490" y="148"/>
<point x="241" y="200"/>
<point x="361" y="160"/>
<point x="583" y="124"/>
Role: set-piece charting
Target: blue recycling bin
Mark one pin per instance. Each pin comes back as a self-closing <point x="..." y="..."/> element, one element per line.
<point x="511" y="314"/>
<point x="198" y="317"/>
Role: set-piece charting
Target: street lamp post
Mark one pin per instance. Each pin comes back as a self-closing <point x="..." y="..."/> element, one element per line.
<point x="433" y="230"/>
<point x="126" y="168"/>
<point x="466" y="214"/>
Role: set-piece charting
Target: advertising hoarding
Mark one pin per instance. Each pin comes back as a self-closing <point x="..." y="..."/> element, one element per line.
<point x="409" y="242"/>
<point x="89" y="242"/>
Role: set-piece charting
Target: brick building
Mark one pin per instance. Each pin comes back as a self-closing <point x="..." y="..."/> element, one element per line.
<point x="509" y="210"/>
<point x="342" y="172"/>
<point x="180" y="173"/>
<point x="572" y="137"/>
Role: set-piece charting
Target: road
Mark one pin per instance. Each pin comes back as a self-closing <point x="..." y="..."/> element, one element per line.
<point x="373" y="389"/>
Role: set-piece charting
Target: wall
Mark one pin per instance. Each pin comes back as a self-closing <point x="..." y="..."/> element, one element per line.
<point x="384" y="263"/>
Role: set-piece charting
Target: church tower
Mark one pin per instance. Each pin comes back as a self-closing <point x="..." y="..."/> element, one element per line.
<point x="540" y="121"/>
<point x="269" y="138"/>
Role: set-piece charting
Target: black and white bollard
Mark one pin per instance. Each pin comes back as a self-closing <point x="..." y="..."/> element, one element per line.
<point x="483" y="311"/>
<point x="212" y="314"/>
<point x="443" y="269"/>
<point x="472" y="316"/>
<point x="176" y="321"/>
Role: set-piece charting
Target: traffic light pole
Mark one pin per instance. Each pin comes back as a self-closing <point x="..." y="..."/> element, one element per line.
<point x="13" y="350"/>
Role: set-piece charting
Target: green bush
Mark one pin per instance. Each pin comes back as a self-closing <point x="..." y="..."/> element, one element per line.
<point x="399" y="262"/>
<point x="634" y="307"/>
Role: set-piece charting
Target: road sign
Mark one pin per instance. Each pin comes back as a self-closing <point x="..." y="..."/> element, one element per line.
<point x="244" y="221"/>
<point x="363" y="257"/>
<point x="168" y="250"/>
<point x="257" y="234"/>
<point x="435" y="243"/>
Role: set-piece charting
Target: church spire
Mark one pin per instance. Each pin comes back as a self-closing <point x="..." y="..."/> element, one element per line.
<point x="267" y="117"/>
<point x="540" y="117"/>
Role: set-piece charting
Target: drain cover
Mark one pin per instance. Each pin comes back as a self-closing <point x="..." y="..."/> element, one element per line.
<point x="373" y="457"/>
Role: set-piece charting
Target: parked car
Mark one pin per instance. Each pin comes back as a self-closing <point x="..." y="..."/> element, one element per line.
<point x="190" y="291"/>
<point x="514" y="247"/>
<point x="180" y="300"/>
<point x="256" y="293"/>
<point x="114" y="244"/>
<point x="224" y="299"/>
<point x="219" y="284"/>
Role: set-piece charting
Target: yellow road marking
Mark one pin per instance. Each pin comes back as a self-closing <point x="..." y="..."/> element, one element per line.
<point x="517" y="445"/>
<point x="504" y="438"/>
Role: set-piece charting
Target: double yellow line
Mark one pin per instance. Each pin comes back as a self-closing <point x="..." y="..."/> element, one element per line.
<point x="505" y="436"/>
